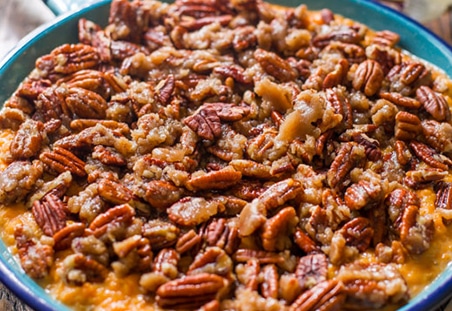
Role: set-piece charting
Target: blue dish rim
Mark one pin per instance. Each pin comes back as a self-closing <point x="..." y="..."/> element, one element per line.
<point x="16" y="280"/>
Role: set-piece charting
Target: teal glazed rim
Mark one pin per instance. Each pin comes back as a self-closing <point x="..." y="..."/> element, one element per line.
<point x="20" y="61"/>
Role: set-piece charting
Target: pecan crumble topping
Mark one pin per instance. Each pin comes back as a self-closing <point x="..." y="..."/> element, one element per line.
<point x="229" y="155"/>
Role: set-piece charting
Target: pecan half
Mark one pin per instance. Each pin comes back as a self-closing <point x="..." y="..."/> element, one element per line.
<point x="341" y="105"/>
<point x="366" y="284"/>
<point x="79" y="269"/>
<point x="270" y="285"/>
<point x="166" y="263"/>
<point x="346" y="159"/>
<point x="358" y="233"/>
<point x="430" y="156"/>
<point x="113" y="191"/>
<point x="206" y="121"/>
<point x="403" y="210"/>
<point x="400" y="100"/>
<point x="407" y="126"/>
<point x="341" y="34"/>
<point x="191" y="291"/>
<point x="253" y="215"/>
<point x="311" y="270"/>
<point x="36" y="258"/>
<point x="50" y="214"/>
<point x="443" y="199"/>
<point x="191" y="211"/>
<point x="28" y="139"/>
<point x="108" y="156"/>
<point x="434" y="103"/>
<point x="61" y="160"/>
<point x="328" y="295"/>
<point x="275" y="65"/>
<point x="121" y="214"/>
<point x="68" y="58"/>
<point x="63" y="238"/>
<point x="83" y="103"/>
<point x="438" y="135"/>
<point x="362" y="194"/>
<point x="220" y="179"/>
<point x="212" y="260"/>
<point x="277" y="230"/>
<point x="161" y="194"/>
<point x="223" y="234"/>
<point x="160" y="233"/>
<point x="305" y="243"/>
<point x="188" y="241"/>
<point x="368" y="77"/>
<point x="386" y="38"/>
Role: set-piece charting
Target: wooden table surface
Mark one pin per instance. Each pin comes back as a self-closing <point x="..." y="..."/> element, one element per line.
<point x="442" y="27"/>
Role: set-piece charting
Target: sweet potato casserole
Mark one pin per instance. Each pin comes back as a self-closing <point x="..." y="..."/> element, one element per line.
<point x="228" y="155"/>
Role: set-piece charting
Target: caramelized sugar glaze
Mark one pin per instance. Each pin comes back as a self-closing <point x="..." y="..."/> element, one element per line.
<point x="228" y="155"/>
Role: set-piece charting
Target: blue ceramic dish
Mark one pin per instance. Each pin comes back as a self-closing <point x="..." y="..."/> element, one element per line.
<point x="19" y="62"/>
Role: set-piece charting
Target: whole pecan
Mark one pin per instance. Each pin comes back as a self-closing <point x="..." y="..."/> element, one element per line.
<point x="191" y="291"/>
<point x="28" y="140"/>
<point x="368" y="77"/>
<point x="50" y="214"/>
<point x="61" y="160"/>
<point x="113" y="191"/>
<point x="328" y="295"/>
<point x="434" y="103"/>
<point x="274" y="65"/>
